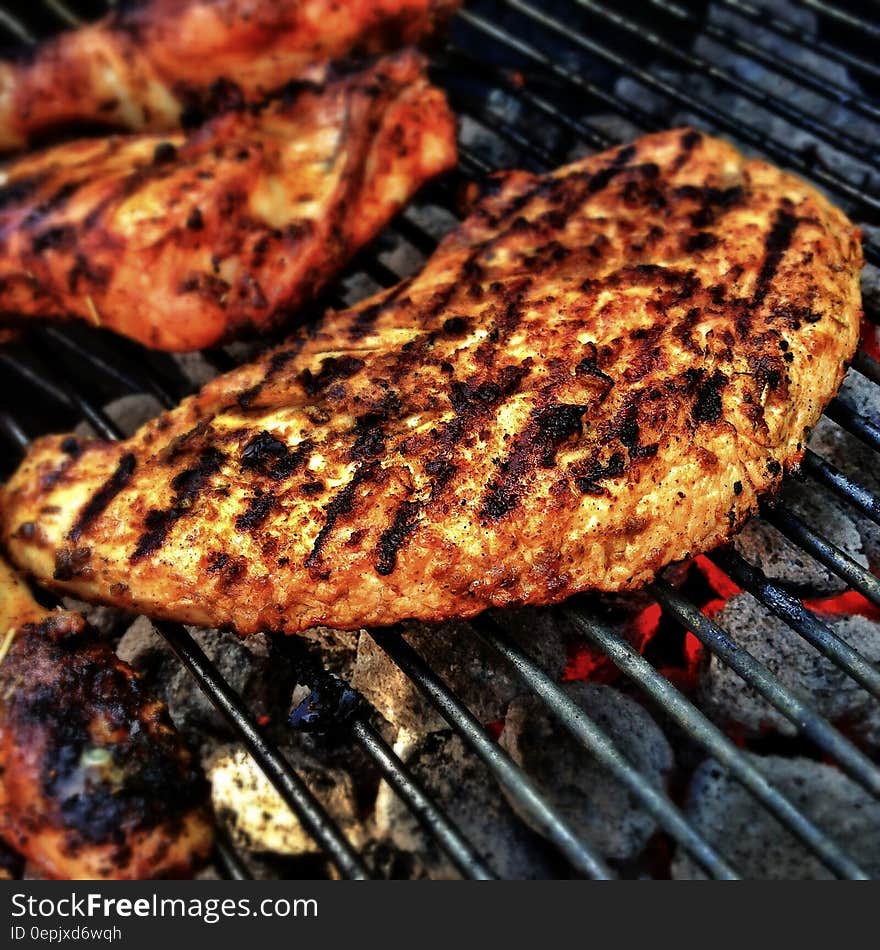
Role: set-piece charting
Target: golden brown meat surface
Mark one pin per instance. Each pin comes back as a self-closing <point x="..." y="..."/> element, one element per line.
<point x="94" y="781"/>
<point x="153" y="64"/>
<point x="598" y="373"/>
<point x="182" y="241"/>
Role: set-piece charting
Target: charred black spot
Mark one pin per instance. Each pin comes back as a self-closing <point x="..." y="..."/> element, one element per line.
<point x="701" y="241"/>
<point x="332" y="369"/>
<point x="61" y="238"/>
<point x="707" y="407"/>
<point x="18" y="191"/>
<point x="99" y="501"/>
<point x="164" y="152"/>
<point x="455" y="326"/>
<point x="737" y="488"/>
<point x="195" y="221"/>
<point x="589" y="475"/>
<point x="690" y="140"/>
<point x="271" y="457"/>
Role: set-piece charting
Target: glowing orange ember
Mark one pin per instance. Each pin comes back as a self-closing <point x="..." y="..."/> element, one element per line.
<point x="870" y="340"/>
<point x="848" y="603"/>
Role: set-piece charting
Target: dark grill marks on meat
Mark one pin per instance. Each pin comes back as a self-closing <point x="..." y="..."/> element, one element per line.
<point x="341" y="504"/>
<point x="517" y="425"/>
<point x="188" y="486"/>
<point x="548" y="428"/>
<point x="104" y="495"/>
<point x="775" y="246"/>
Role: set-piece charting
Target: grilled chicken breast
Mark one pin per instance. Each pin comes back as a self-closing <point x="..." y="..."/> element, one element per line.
<point x="94" y="781"/>
<point x="599" y="372"/>
<point x="153" y="64"/>
<point x="182" y="241"/>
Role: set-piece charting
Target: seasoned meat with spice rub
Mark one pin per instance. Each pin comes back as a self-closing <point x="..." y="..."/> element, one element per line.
<point x="599" y="372"/>
<point x="156" y="64"/>
<point x="182" y="241"/>
<point x="94" y="780"/>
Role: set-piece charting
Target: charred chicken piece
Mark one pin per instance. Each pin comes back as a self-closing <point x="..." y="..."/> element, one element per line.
<point x="94" y="781"/>
<point x="599" y="372"/>
<point x="154" y="64"/>
<point x="182" y="241"/>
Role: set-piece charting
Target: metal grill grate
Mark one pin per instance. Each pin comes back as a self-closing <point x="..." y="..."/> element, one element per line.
<point x="572" y="72"/>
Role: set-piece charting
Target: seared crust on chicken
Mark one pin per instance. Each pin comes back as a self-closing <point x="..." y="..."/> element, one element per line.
<point x="180" y="242"/>
<point x="600" y="372"/>
<point x="155" y="64"/>
<point x="94" y="781"/>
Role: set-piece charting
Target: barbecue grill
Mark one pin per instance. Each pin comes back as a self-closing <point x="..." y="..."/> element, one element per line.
<point x="535" y="83"/>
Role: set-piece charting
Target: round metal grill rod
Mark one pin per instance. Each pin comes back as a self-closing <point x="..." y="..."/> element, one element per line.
<point x="277" y="769"/>
<point x="517" y="783"/>
<point x="13" y="431"/>
<point x="819" y="547"/>
<point x="702" y="731"/>
<point x="810" y="723"/>
<point x="120" y="370"/>
<point x="593" y="136"/>
<point x="410" y="790"/>
<point x="505" y="38"/>
<point x="105" y="427"/>
<point x="228" y="858"/>
<point x="795" y="34"/>
<point x="64" y="14"/>
<point x="858" y="24"/>
<point x="33" y="377"/>
<point x="845" y="414"/>
<point x="778" y="152"/>
<point x="600" y="745"/>
<point x="869" y="368"/>
<point x="840" y="483"/>
<point x="839" y="138"/>
<point x="534" y="156"/>
<point x="803" y="621"/>
<point x="15" y="28"/>
<point x="820" y="83"/>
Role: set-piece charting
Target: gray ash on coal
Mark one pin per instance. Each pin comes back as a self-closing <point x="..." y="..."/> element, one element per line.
<point x="599" y="809"/>
<point x="760" y="847"/>
<point x="728" y="700"/>
<point x="466" y="665"/>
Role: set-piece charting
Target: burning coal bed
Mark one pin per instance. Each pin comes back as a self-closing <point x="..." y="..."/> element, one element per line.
<point x="306" y="711"/>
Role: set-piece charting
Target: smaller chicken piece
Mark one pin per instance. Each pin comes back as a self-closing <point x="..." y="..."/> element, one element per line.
<point x="94" y="781"/>
<point x="183" y="241"/>
<point x="151" y="65"/>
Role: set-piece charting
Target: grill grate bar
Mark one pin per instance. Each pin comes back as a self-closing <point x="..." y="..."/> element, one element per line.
<point x="794" y="34"/>
<point x="824" y="551"/>
<point x="743" y="87"/>
<point x="859" y="24"/>
<point x="869" y="368"/>
<point x="517" y="783"/>
<point x="781" y="153"/>
<point x="276" y="768"/>
<point x="824" y="86"/>
<point x="594" y="137"/>
<point x="600" y="745"/>
<point x="803" y="621"/>
<point x="505" y="38"/>
<point x="710" y="737"/>
<point x="420" y="804"/>
<point x="845" y="414"/>
<point x="814" y="726"/>
<point x="842" y="485"/>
